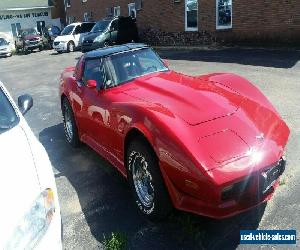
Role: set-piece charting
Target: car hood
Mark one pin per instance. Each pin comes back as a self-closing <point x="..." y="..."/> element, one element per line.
<point x="19" y="183"/>
<point x="193" y="99"/>
<point x="91" y="36"/>
<point x="63" y="38"/>
<point x="4" y="47"/>
<point x="31" y="37"/>
<point x="224" y="123"/>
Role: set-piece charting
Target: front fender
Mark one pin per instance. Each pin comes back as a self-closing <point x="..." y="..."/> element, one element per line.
<point x="171" y="139"/>
<point x="242" y="86"/>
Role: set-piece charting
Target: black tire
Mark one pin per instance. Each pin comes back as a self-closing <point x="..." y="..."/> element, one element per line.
<point x="59" y="52"/>
<point x="106" y="44"/>
<point x="25" y="51"/>
<point x="139" y="151"/>
<point x="68" y="116"/>
<point x="41" y="47"/>
<point x="70" y="47"/>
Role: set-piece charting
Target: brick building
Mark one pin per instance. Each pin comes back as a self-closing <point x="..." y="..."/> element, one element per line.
<point x="58" y="10"/>
<point x="193" y="22"/>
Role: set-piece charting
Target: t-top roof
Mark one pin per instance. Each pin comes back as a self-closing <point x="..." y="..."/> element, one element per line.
<point x="114" y="50"/>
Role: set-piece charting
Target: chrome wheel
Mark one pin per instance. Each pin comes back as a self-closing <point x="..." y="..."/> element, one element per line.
<point x="68" y="124"/>
<point x="142" y="179"/>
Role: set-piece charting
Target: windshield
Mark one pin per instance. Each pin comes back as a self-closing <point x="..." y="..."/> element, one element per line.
<point x="126" y="66"/>
<point x="29" y="32"/>
<point x="100" y="26"/>
<point x="68" y="30"/>
<point x="8" y="117"/>
<point x="3" y="42"/>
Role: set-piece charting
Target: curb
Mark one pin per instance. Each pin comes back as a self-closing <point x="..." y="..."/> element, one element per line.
<point x="216" y="48"/>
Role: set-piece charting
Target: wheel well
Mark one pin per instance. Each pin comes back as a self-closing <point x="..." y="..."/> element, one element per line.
<point x="63" y="96"/>
<point x="132" y="135"/>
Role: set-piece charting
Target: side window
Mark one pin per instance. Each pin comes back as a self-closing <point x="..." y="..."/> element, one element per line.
<point x="79" y="69"/>
<point x="93" y="70"/>
<point x="86" y="27"/>
<point x="114" y="25"/>
<point x="77" y="30"/>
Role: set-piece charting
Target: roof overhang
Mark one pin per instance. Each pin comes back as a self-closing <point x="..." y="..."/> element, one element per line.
<point x="27" y="8"/>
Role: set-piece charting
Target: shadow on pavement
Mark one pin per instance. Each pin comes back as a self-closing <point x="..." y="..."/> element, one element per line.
<point x="107" y="206"/>
<point x="254" y="57"/>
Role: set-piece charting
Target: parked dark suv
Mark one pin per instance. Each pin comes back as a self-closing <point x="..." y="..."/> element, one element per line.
<point x="29" y="40"/>
<point x="119" y="30"/>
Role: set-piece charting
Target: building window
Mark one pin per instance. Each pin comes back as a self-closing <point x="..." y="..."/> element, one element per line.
<point x="191" y="15"/>
<point x="15" y="28"/>
<point x="132" y="10"/>
<point x="86" y="17"/>
<point x="117" y="11"/>
<point x="224" y="14"/>
<point x="109" y="12"/>
<point x="71" y="19"/>
<point x="138" y="4"/>
<point x="68" y="3"/>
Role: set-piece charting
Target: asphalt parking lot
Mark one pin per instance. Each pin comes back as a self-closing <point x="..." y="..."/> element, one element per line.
<point x="95" y="200"/>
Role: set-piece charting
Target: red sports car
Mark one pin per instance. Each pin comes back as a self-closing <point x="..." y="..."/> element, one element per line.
<point x="212" y="144"/>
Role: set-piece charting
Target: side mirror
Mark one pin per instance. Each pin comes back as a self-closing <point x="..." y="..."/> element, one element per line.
<point x="166" y="63"/>
<point x="25" y="103"/>
<point x="91" y="84"/>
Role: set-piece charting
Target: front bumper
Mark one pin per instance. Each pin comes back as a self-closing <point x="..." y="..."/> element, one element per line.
<point x="53" y="237"/>
<point x="252" y="194"/>
<point x="33" y="45"/>
<point x="60" y="46"/>
<point x="85" y="47"/>
<point x="5" y="53"/>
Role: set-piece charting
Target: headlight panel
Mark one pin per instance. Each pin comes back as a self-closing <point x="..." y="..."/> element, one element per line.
<point x="34" y="223"/>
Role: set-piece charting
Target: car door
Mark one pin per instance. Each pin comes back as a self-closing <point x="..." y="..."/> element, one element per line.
<point x="76" y="35"/>
<point x="96" y="105"/>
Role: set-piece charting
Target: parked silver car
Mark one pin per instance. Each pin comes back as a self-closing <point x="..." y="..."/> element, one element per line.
<point x="5" y="48"/>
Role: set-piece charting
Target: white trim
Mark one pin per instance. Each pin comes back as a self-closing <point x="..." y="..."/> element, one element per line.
<point x="86" y="16"/>
<point x="222" y="27"/>
<point x="28" y="8"/>
<point x="117" y="8"/>
<point x="185" y="17"/>
<point x="130" y="5"/>
<point x="67" y="5"/>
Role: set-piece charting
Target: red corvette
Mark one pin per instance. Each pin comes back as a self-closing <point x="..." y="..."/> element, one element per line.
<point x="212" y="144"/>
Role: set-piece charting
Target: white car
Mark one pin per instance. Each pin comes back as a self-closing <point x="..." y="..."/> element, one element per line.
<point x="70" y="38"/>
<point x="5" y="48"/>
<point x="29" y="211"/>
